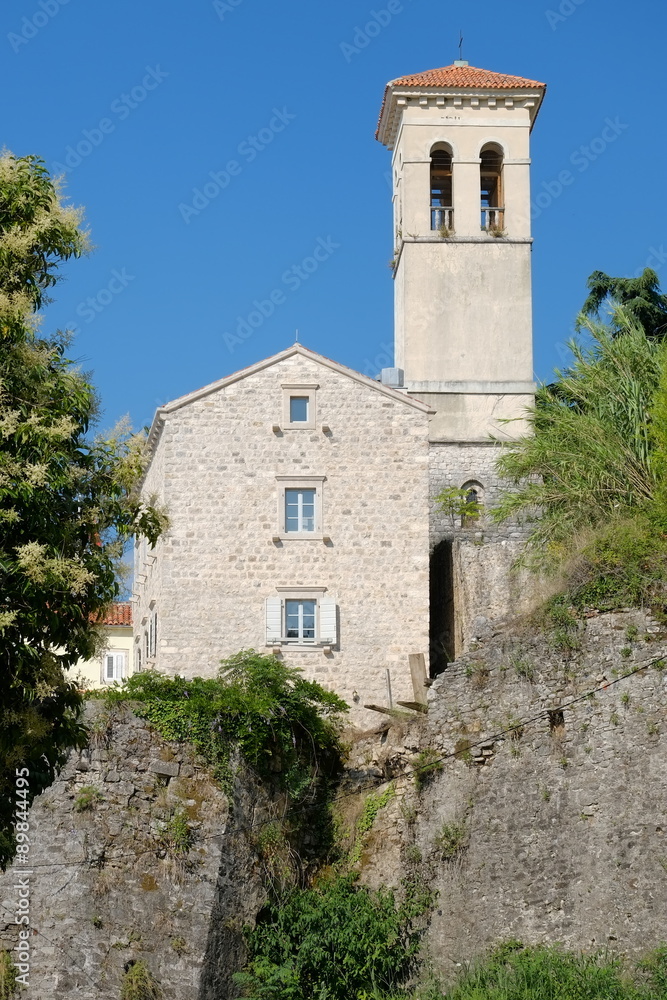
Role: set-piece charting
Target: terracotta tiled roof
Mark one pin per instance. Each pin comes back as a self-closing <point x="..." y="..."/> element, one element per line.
<point x="464" y="76"/>
<point x="120" y="613"/>
<point x="454" y="78"/>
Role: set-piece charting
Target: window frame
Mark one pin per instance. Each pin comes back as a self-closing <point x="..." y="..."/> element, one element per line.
<point x="316" y="594"/>
<point x="301" y="614"/>
<point x="119" y="672"/>
<point x="307" y="390"/>
<point x="301" y="483"/>
<point x="152" y="633"/>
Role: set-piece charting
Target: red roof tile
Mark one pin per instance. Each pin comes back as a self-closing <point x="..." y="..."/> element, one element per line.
<point x="464" y="76"/>
<point x="457" y="78"/>
<point x="120" y="613"/>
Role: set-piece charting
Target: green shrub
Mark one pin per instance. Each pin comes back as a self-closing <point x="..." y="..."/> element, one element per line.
<point x="88" y="797"/>
<point x="8" y="984"/>
<point x="339" y="941"/>
<point x="625" y="565"/>
<point x="428" y="764"/>
<point x="140" y="984"/>
<point x="524" y="668"/>
<point x="450" y="841"/>
<point x="284" y="726"/>
<point x="372" y="806"/>
<point x="176" y="836"/>
<point x="513" y="972"/>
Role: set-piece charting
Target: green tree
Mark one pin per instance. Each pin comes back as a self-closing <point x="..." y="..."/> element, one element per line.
<point x="640" y="298"/>
<point x="66" y="502"/>
<point x="591" y="478"/>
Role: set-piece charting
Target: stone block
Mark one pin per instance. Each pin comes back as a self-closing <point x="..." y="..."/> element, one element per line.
<point x="165" y="768"/>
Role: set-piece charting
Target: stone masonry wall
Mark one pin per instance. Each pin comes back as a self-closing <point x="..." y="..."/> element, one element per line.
<point x="562" y="820"/>
<point x="486" y="586"/>
<point x="219" y="561"/>
<point x="107" y="887"/>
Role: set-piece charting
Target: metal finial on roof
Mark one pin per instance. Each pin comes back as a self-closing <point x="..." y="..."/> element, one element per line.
<point x="460" y="61"/>
<point x="296" y="336"/>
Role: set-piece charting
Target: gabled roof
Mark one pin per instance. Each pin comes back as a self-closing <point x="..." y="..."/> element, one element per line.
<point x="120" y="613"/>
<point x="456" y="78"/>
<point x="295" y="349"/>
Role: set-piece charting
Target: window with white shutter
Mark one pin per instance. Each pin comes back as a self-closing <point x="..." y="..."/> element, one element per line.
<point x="328" y="630"/>
<point x="274" y="617"/>
<point x="114" y="666"/>
<point x="152" y="634"/>
<point x="301" y="617"/>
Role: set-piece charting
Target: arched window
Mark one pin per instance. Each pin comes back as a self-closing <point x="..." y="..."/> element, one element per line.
<point x="473" y="504"/>
<point x="491" y="185"/>
<point x="442" y="204"/>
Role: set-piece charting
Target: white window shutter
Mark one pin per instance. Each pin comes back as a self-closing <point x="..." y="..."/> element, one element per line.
<point x="109" y="673"/>
<point x="327" y="620"/>
<point x="274" y="620"/>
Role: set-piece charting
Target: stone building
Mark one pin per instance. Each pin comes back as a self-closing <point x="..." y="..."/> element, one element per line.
<point x="301" y="493"/>
<point x="297" y="492"/>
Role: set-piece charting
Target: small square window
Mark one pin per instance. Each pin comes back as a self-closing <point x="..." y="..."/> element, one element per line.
<point x="298" y="409"/>
<point x="299" y="405"/>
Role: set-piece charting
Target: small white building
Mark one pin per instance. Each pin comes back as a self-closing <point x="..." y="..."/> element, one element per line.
<point x="301" y="493"/>
<point x="115" y="661"/>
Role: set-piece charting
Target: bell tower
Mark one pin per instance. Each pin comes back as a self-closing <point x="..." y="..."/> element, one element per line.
<point x="460" y="139"/>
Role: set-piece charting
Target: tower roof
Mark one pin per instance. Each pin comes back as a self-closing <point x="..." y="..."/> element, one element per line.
<point x="464" y="76"/>
<point x="455" y="78"/>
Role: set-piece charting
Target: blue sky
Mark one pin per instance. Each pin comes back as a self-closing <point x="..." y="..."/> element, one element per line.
<point x="268" y="110"/>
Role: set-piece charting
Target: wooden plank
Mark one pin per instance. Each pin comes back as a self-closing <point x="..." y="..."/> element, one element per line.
<point x="387" y="711"/>
<point x="416" y="706"/>
<point x="418" y="672"/>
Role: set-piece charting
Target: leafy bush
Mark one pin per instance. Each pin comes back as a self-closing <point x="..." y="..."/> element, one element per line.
<point x="339" y="941"/>
<point x="372" y="806"/>
<point x="458" y="503"/>
<point x="595" y="451"/>
<point x="284" y="726"/>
